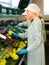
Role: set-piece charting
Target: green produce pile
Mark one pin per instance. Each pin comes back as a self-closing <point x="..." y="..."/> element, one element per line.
<point x="11" y="57"/>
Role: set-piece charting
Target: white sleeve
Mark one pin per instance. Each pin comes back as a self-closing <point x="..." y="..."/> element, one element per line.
<point x="24" y="35"/>
<point x="25" y="23"/>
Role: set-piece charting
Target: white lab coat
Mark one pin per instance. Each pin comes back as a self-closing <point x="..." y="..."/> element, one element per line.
<point x="36" y="52"/>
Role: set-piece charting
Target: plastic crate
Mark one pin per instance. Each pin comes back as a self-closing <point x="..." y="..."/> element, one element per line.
<point x="7" y="11"/>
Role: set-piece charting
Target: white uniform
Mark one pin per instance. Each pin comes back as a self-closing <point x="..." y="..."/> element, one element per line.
<point x="36" y="52"/>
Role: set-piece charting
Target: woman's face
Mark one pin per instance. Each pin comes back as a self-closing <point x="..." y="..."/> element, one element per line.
<point x="29" y="15"/>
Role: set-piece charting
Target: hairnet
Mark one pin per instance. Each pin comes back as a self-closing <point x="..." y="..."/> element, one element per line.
<point x="33" y="7"/>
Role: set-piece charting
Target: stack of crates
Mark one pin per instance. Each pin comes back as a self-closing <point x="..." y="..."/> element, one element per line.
<point x="6" y="10"/>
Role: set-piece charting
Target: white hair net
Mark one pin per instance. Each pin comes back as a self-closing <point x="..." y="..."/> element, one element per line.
<point x="33" y="7"/>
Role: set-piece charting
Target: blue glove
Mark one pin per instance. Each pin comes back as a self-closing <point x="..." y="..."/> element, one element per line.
<point x="19" y="28"/>
<point x="15" y="34"/>
<point x="23" y="51"/>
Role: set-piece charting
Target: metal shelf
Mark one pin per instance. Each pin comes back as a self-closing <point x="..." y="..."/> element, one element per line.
<point x="8" y="16"/>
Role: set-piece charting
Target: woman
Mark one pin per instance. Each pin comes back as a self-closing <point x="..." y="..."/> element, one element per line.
<point x="35" y="34"/>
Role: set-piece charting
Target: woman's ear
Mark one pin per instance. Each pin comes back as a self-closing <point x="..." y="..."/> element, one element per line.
<point x="35" y="14"/>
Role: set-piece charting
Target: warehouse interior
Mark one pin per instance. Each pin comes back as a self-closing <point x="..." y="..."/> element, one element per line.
<point x="13" y="17"/>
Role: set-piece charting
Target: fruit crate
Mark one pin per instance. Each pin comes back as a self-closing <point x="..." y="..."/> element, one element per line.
<point x="10" y="61"/>
<point x="10" y="57"/>
<point x="18" y="62"/>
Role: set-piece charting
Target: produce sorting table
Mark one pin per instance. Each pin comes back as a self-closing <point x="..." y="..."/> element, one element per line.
<point x="11" y="57"/>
